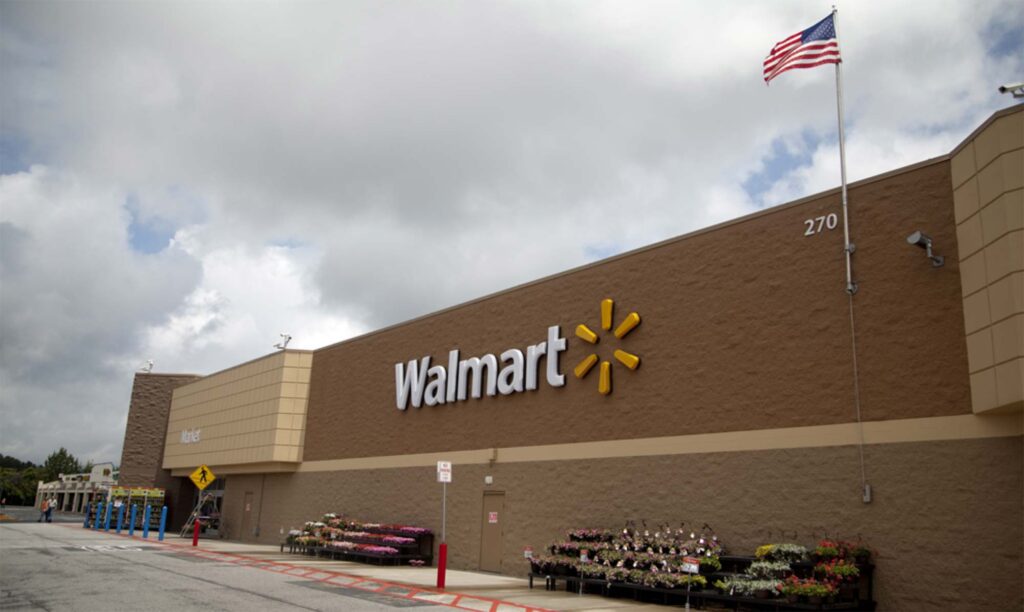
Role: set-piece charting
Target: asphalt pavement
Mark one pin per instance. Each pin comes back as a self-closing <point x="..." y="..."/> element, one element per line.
<point x="63" y="566"/>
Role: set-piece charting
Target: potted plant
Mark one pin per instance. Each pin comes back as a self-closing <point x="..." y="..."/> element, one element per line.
<point x="769" y="569"/>
<point x="785" y="551"/>
<point x="817" y="592"/>
<point x="792" y="589"/>
<point x="861" y="553"/>
<point x="826" y="549"/>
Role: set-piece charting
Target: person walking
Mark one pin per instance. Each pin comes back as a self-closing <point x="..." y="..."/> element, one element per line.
<point x="49" y="510"/>
<point x="43" y="506"/>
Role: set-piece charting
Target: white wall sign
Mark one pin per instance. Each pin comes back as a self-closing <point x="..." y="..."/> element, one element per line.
<point x="190" y="436"/>
<point x="444" y="471"/>
<point x="418" y="382"/>
<point x="817" y="224"/>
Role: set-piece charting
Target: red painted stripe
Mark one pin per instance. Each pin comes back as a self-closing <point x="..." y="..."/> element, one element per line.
<point x="278" y="568"/>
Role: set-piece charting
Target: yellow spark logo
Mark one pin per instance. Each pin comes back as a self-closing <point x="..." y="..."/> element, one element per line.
<point x="604" y="383"/>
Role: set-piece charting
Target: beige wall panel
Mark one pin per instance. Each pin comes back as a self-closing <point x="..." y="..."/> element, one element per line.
<point x="1006" y="296"/>
<point x="242" y="413"/>
<point x="997" y="148"/>
<point x="1008" y="339"/>
<point x="979" y="349"/>
<point x="1004" y="215"/>
<point x="962" y="169"/>
<point x="928" y="501"/>
<point x="1005" y="256"/>
<point x="1010" y="384"/>
<point x="976" y="313"/>
<point x="965" y="200"/>
<point x="968" y="235"/>
<point x="1002" y="136"/>
<point x="973" y="276"/>
<point x="983" y="390"/>
<point x="1004" y="174"/>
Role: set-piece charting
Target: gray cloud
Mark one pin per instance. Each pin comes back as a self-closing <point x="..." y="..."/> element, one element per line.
<point x="327" y="168"/>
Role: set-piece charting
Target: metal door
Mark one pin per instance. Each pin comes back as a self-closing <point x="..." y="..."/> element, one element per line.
<point x="491" y="531"/>
<point x="246" y="516"/>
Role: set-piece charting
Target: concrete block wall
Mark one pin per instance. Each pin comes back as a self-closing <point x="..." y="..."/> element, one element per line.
<point x="988" y="183"/>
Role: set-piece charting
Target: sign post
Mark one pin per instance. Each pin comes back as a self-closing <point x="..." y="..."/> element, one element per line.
<point x="444" y="476"/>
<point x="691" y="565"/>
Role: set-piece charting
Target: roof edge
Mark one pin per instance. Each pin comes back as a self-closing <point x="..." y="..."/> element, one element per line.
<point x="656" y="245"/>
<point x="999" y="114"/>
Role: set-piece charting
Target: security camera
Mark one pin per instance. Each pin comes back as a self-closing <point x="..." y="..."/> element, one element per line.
<point x="920" y="239"/>
<point x="924" y="241"/>
<point x="1017" y="89"/>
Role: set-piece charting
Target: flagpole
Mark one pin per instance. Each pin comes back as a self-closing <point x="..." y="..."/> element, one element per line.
<point x="848" y="248"/>
<point x="851" y="286"/>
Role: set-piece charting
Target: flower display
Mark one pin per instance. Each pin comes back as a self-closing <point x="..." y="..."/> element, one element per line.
<point x="591" y="535"/>
<point x="336" y="533"/>
<point x="376" y="550"/>
<point x="769" y="569"/>
<point x="806" y="587"/>
<point x="838" y="570"/>
<point x="781" y="552"/>
<point x="654" y="558"/>
<point x="641" y="556"/>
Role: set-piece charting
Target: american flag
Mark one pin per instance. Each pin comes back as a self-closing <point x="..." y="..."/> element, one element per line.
<point x="814" y="46"/>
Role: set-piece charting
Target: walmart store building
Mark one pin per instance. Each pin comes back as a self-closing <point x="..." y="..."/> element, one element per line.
<point x="723" y="391"/>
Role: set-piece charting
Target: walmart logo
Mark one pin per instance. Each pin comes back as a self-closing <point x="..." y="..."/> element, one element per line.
<point x="631" y="361"/>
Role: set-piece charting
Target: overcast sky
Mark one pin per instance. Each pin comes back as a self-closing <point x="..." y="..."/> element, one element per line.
<point x="183" y="181"/>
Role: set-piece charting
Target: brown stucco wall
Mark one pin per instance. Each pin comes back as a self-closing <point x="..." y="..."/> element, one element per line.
<point x="145" y="433"/>
<point x="744" y="327"/>
<point x="932" y="501"/>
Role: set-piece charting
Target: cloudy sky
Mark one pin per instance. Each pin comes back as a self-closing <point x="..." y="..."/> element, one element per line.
<point x="181" y="181"/>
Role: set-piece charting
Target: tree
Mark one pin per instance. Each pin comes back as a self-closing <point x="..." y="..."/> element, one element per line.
<point x="19" y="486"/>
<point x="60" y="462"/>
<point x="11" y="462"/>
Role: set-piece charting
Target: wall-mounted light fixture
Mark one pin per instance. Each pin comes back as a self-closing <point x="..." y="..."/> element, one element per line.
<point x="922" y="240"/>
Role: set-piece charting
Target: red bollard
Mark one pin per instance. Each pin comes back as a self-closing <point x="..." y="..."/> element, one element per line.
<point x="195" y="534"/>
<point x="442" y="562"/>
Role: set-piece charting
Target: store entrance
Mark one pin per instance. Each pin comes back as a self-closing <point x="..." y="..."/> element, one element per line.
<point x="210" y="514"/>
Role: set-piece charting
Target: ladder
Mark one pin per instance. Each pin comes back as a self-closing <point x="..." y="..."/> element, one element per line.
<point x="186" y="529"/>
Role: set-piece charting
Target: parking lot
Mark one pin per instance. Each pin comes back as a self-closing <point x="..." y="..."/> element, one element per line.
<point x="62" y="566"/>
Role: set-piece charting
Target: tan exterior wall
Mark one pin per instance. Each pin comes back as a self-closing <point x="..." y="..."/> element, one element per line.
<point x="930" y="506"/>
<point x="741" y="413"/>
<point x="250" y="414"/>
<point x="745" y="326"/>
<point x="143" y="450"/>
<point x="988" y="179"/>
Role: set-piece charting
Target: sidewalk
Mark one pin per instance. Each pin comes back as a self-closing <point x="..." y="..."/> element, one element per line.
<point x="464" y="590"/>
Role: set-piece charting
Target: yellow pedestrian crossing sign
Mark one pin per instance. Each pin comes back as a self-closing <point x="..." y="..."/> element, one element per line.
<point x="202" y="477"/>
